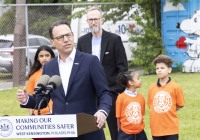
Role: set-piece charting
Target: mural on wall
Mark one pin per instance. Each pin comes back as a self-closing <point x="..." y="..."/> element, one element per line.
<point x="182" y="36"/>
<point x="191" y="26"/>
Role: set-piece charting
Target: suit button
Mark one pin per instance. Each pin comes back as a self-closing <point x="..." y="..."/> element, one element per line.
<point x="67" y="103"/>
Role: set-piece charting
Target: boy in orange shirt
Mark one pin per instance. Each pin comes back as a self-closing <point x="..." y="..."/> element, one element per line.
<point x="130" y="108"/>
<point x="165" y="98"/>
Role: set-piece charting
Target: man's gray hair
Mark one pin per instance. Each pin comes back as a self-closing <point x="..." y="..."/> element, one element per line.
<point x="94" y="8"/>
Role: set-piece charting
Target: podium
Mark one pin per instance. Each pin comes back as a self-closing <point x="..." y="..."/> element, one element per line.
<point x="86" y="123"/>
<point x="47" y="126"/>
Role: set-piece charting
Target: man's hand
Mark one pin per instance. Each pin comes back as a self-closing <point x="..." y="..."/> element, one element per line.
<point x="100" y="119"/>
<point x="22" y="96"/>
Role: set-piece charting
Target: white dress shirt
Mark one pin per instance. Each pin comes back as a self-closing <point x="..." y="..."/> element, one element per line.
<point x="65" y="69"/>
<point x="96" y="46"/>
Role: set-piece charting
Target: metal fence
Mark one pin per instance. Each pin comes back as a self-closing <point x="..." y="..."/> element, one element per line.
<point x="33" y="19"/>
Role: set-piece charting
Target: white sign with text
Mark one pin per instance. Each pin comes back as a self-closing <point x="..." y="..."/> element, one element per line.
<point x="44" y="126"/>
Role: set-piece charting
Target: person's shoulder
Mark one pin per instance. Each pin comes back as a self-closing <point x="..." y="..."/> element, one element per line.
<point x="85" y="36"/>
<point x="111" y="34"/>
<point x="121" y="96"/>
<point x="34" y="75"/>
<point x="38" y="72"/>
<point x="140" y="94"/>
<point x="153" y="85"/>
<point x="175" y="85"/>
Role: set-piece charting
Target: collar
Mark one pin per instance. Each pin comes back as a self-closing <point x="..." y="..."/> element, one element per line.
<point x="130" y="93"/>
<point x="71" y="56"/>
<point x="158" y="82"/>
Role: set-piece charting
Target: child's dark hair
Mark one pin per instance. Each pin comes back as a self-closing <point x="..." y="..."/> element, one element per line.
<point x="123" y="78"/>
<point x="37" y="65"/>
<point x="163" y="59"/>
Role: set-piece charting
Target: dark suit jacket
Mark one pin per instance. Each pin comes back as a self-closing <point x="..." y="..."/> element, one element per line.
<point x="113" y="55"/>
<point x="87" y="84"/>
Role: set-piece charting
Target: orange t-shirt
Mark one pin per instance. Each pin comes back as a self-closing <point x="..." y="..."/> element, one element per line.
<point x="130" y="111"/>
<point x="31" y="84"/>
<point x="162" y="102"/>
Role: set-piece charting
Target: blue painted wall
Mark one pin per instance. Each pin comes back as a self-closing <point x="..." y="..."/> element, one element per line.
<point x="173" y="37"/>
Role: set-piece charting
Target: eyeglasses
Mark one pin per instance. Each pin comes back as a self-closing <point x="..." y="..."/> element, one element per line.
<point x="93" y="19"/>
<point x="61" y="37"/>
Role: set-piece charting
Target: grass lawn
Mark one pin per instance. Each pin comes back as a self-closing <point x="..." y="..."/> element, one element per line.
<point x="189" y="115"/>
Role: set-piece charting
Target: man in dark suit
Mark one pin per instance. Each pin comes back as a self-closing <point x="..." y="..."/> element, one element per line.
<point x="84" y="87"/>
<point x="109" y="49"/>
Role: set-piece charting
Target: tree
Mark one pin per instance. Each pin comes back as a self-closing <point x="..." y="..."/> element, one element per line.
<point x="19" y="40"/>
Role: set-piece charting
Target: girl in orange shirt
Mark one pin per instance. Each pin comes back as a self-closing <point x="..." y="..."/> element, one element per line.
<point x="130" y="108"/>
<point x="42" y="55"/>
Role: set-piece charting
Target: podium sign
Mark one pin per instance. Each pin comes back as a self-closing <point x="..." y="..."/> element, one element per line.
<point x="47" y="126"/>
<point x="44" y="126"/>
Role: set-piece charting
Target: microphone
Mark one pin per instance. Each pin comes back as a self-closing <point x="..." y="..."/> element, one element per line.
<point x="41" y="86"/>
<point x="54" y="82"/>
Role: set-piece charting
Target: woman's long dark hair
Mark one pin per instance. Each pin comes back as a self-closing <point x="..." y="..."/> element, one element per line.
<point x="37" y="65"/>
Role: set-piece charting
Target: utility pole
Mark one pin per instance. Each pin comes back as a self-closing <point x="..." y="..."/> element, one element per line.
<point x="19" y="59"/>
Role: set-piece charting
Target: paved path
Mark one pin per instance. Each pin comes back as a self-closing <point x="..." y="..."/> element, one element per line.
<point x="6" y="85"/>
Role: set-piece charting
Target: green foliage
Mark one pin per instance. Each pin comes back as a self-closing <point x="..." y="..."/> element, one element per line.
<point x="110" y="10"/>
<point x="6" y="25"/>
<point x="39" y="23"/>
<point x="9" y="1"/>
<point x="41" y="27"/>
<point x="40" y="1"/>
<point x="179" y="68"/>
<point x="149" y="41"/>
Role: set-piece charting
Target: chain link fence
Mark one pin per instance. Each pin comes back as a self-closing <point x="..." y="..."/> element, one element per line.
<point x="23" y="28"/>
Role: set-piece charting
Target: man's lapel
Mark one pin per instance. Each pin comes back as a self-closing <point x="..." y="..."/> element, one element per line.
<point x="88" y="43"/>
<point x="75" y="67"/>
<point x="104" y="42"/>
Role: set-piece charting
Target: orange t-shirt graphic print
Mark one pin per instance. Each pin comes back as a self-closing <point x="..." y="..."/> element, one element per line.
<point x="162" y="102"/>
<point x="133" y="113"/>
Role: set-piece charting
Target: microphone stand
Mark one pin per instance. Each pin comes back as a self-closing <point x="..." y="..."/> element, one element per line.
<point x="45" y="98"/>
